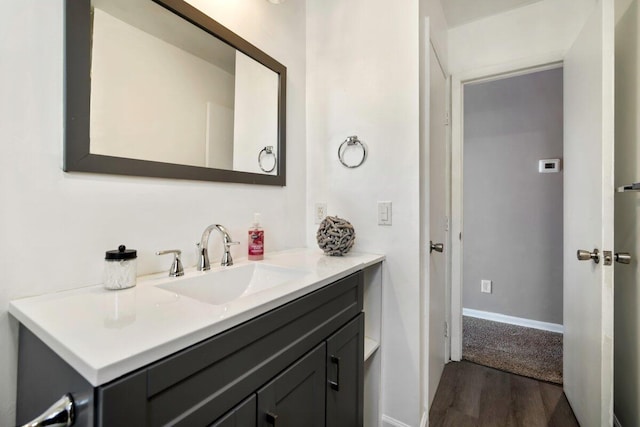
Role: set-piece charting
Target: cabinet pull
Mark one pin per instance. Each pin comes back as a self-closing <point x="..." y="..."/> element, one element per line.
<point x="60" y="414"/>
<point x="271" y="418"/>
<point x="336" y="384"/>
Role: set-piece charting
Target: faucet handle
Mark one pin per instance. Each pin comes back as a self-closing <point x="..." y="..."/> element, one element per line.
<point x="227" y="260"/>
<point x="176" y="269"/>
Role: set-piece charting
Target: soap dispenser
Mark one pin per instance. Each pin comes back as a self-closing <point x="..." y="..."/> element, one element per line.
<point x="256" y="240"/>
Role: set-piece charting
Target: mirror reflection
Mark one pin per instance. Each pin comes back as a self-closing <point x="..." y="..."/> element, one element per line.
<point x="164" y="90"/>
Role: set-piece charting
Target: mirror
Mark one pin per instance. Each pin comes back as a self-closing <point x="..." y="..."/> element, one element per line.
<point x="157" y="88"/>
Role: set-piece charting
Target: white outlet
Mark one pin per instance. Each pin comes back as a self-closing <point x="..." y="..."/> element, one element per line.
<point x="320" y="212"/>
<point x="485" y="286"/>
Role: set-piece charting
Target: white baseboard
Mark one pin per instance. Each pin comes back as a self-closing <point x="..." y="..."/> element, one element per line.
<point x="616" y="423"/>
<point x="512" y="320"/>
<point x="387" y="421"/>
<point x="425" y="419"/>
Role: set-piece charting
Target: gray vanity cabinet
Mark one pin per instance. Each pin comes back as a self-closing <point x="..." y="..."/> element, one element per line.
<point x="278" y="363"/>
<point x="296" y="397"/>
<point x="345" y="373"/>
<point x="243" y="415"/>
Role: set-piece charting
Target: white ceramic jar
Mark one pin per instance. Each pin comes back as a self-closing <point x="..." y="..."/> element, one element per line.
<point x="120" y="267"/>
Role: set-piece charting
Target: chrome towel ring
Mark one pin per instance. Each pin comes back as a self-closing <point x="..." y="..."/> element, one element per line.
<point x="352" y="141"/>
<point x="267" y="151"/>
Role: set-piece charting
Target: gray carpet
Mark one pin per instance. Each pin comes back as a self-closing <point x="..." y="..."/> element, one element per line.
<point x="524" y="351"/>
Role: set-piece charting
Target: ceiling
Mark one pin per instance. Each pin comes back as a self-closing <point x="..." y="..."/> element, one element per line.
<point x="458" y="12"/>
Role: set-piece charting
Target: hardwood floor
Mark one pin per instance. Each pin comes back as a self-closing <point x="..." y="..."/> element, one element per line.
<point x="475" y="395"/>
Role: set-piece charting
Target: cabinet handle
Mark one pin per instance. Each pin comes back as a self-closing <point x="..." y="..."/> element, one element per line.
<point x="60" y="414"/>
<point x="271" y="418"/>
<point x="336" y="384"/>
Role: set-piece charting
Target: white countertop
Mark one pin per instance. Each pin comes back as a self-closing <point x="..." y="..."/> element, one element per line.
<point x="105" y="334"/>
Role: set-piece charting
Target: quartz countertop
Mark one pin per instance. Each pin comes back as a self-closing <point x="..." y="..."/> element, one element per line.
<point x="104" y="334"/>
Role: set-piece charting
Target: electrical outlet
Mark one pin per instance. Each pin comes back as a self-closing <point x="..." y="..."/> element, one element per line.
<point x="485" y="286"/>
<point x="320" y="212"/>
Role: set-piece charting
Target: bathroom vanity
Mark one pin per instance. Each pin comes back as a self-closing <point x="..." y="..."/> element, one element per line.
<point x="287" y="349"/>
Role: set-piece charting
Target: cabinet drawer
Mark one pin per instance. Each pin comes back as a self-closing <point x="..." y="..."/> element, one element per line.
<point x="198" y="385"/>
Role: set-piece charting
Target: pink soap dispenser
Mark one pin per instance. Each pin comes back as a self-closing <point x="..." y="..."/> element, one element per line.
<point x="256" y="240"/>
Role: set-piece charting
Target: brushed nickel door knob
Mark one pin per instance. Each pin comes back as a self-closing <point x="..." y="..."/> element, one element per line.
<point x="623" y="257"/>
<point x="438" y="247"/>
<point x="586" y="255"/>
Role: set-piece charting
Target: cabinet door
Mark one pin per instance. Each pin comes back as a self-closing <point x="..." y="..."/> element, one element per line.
<point x="296" y="397"/>
<point x="243" y="415"/>
<point x="345" y="375"/>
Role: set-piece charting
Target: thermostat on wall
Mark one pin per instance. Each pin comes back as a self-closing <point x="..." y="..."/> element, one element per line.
<point x="549" y="165"/>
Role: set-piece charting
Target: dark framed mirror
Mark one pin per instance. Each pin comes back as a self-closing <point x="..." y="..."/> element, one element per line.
<point x="157" y="88"/>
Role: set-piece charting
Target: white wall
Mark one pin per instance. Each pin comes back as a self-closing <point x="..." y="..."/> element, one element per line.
<point x="627" y="215"/>
<point x="544" y="29"/>
<point x="363" y="79"/>
<point x="55" y="226"/>
<point x="513" y="213"/>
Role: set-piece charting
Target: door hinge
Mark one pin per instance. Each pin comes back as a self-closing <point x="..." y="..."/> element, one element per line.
<point x="446" y="329"/>
<point x="446" y="118"/>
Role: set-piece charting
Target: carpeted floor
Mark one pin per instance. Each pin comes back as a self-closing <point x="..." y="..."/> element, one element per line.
<point x="524" y="351"/>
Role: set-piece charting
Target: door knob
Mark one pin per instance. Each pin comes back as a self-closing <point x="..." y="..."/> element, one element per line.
<point x="586" y="255"/>
<point x="438" y="247"/>
<point x="623" y="257"/>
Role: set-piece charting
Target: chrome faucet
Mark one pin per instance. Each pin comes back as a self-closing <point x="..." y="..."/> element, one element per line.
<point x="227" y="242"/>
<point x="176" y="269"/>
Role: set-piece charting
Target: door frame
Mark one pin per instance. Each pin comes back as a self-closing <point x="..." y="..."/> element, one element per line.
<point x="458" y="80"/>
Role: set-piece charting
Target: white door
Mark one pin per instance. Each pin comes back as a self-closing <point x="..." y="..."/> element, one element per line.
<point x="588" y="219"/>
<point x="437" y="221"/>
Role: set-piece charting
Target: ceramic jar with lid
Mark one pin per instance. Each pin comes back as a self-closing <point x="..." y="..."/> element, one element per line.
<point x="120" y="268"/>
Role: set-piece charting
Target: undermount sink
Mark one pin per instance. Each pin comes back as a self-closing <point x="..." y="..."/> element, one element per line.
<point x="222" y="286"/>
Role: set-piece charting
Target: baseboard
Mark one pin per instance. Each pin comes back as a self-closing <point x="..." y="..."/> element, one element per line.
<point x="616" y="423"/>
<point x="387" y="421"/>
<point x="512" y="320"/>
<point x="425" y="419"/>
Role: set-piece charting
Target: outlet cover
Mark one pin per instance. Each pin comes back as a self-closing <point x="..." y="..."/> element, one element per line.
<point x="485" y="286"/>
<point x="320" y="212"/>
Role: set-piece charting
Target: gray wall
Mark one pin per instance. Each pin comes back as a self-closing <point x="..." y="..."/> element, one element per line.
<point x="513" y="214"/>
<point x="626" y="381"/>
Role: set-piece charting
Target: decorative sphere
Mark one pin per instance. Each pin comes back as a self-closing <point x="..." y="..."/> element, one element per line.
<point x="335" y="236"/>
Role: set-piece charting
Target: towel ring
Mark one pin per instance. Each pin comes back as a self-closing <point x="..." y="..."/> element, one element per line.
<point x="351" y="141"/>
<point x="268" y="150"/>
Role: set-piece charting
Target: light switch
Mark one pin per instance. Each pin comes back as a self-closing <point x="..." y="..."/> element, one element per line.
<point x="384" y="213"/>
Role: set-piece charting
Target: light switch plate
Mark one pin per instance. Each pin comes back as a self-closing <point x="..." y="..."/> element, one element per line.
<point x="319" y="212"/>
<point x="384" y="213"/>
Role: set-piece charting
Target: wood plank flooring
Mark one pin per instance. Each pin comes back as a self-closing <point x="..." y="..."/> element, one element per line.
<point x="475" y="395"/>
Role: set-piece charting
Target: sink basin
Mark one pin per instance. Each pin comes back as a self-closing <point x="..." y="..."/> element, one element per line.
<point x="221" y="286"/>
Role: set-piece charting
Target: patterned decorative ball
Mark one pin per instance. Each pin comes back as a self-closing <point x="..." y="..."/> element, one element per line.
<point x="335" y="236"/>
